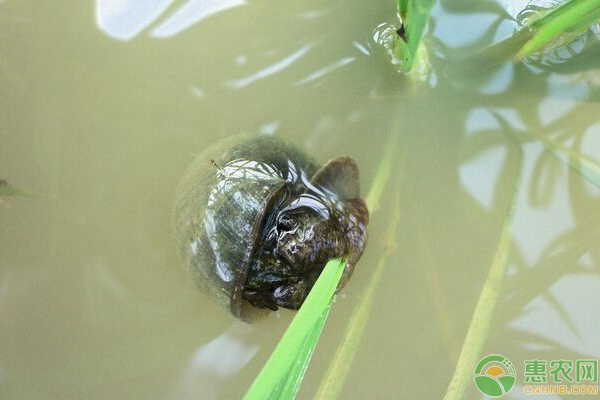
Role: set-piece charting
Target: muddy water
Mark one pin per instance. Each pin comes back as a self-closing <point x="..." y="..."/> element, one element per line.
<point x="103" y="105"/>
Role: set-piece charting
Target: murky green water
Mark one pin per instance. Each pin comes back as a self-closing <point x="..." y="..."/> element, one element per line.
<point x="103" y="105"/>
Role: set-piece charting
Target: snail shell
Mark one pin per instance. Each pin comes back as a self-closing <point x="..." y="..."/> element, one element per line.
<point x="256" y="220"/>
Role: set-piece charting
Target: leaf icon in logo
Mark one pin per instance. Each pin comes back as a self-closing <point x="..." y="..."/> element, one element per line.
<point x="489" y="386"/>
<point x="497" y="379"/>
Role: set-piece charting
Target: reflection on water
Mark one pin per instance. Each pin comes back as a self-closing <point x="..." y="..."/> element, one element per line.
<point x="192" y="12"/>
<point x="272" y="69"/>
<point x="93" y="302"/>
<point x="564" y="316"/>
<point x="211" y="365"/>
<point x="125" y="19"/>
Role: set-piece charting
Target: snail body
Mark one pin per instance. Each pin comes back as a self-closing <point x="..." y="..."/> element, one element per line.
<point x="256" y="220"/>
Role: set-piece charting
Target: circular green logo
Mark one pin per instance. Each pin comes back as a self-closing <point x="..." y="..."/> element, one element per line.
<point x="494" y="375"/>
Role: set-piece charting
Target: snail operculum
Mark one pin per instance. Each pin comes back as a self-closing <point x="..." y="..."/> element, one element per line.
<point x="307" y="224"/>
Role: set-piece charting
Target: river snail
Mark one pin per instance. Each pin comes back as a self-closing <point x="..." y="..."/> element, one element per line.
<point x="256" y="220"/>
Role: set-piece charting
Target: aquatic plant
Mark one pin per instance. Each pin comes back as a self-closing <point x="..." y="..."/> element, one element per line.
<point x="8" y="189"/>
<point x="413" y="15"/>
<point x="282" y="374"/>
<point x="542" y="29"/>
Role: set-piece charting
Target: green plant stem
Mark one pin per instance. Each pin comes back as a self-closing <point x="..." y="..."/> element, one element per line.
<point x="7" y="189"/>
<point x="332" y="383"/>
<point x="569" y="16"/>
<point x="383" y="176"/>
<point x="283" y="372"/>
<point x="585" y="166"/>
<point x="484" y="310"/>
<point x="414" y="15"/>
<point x="281" y="376"/>
<point x="294" y="378"/>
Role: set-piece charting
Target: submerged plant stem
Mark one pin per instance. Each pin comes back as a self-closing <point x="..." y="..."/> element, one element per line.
<point x="7" y="189"/>
<point x="332" y="383"/>
<point x="484" y="310"/>
<point x="281" y="376"/>
<point x="383" y="175"/>
<point x="585" y="166"/>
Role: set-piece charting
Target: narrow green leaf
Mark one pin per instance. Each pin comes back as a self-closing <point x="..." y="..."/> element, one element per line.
<point x="484" y="310"/>
<point x="414" y="15"/>
<point x="546" y="26"/>
<point x="281" y="376"/>
<point x="7" y="189"/>
<point x="585" y="166"/>
<point x="570" y="16"/>
<point x="332" y="383"/>
<point x="294" y="378"/>
<point x="402" y="8"/>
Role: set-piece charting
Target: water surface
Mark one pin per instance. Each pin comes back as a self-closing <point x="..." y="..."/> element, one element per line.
<point x="105" y="103"/>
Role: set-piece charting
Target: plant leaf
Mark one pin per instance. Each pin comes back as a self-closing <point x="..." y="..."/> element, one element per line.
<point x="281" y="376"/>
<point x="484" y="310"/>
<point x="7" y="189"/>
<point x="332" y="383"/>
<point x="547" y="25"/>
<point x="383" y="175"/>
<point x="570" y="16"/>
<point x="414" y="15"/>
<point x="585" y="166"/>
